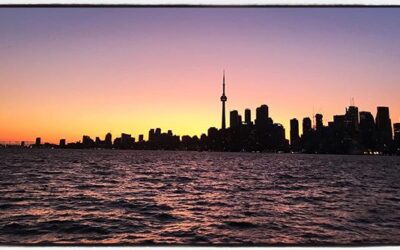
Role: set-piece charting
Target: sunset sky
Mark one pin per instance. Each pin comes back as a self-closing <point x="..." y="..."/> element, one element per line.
<point x="67" y="72"/>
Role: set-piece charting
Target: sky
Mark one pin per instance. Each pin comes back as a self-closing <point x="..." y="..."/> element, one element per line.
<point x="66" y="72"/>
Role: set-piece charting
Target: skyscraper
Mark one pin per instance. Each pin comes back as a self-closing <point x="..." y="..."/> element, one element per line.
<point x="306" y="125"/>
<point x="383" y="126"/>
<point x="318" y="121"/>
<point x="234" y="119"/>
<point x="108" y="139"/>
<point x="223" y="100"/>
<point x="367" y="130"/>
<point x="396" y="129"/>
<point x="247" y="116"/>
<point x="351" y="118"/>
<point x="262" y="114"/>
<point x="294" y="133"/>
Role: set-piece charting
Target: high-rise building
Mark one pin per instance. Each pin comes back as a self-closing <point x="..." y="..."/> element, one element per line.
<point x="294" y="133"/>
<point x="307" y="126"/>
<point x="262" y="114"/>
<point x="140" y="138"/>
<point x="87" y="141"/>
<point x="108" y="139"/>
<point x="318" y="121"/>
<point x="62" y="143"/>
<point x="151" y="134"/>
<point x="351" y="119"/>
<point x="339" y="122"/>
<point x="396" y="129"/>
<point x="223" y="100"/>
<point x="38" y="141"/>
<point x="234" y="119"/>
<point x="383" y="126"/>
<point x="367" y="130"/>
<point x="247" y="116"/>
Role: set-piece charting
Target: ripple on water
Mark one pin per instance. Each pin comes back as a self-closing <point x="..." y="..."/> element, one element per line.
<point x="153" y="197"/>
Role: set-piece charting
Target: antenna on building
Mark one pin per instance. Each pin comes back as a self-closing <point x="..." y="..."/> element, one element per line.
<point x="313" y="116"/>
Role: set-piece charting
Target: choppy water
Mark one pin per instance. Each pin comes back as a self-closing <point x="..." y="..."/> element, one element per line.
<point x="150" y="197"/>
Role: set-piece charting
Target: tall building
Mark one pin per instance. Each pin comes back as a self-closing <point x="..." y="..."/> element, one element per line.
<point x="38" y="141"/>
<point x="307" y="126"/>
<point x="351" y="118"/>
<point x="108" y="139"/>
<point x="234" y="119"/>
<point x="318" y="121"/>
<point x="383" y="126"/>
<point x="294" y="133"/>
<point x="247" y="116"/>
<point x="223" y="100"/>
<point x="367" y="130"/>
<point x="262" y="114"/>
<point x="396" y="129"/>
<point x="140" y="138"/>
<point x="151" y="134"/>
<point x="62" y="143"/>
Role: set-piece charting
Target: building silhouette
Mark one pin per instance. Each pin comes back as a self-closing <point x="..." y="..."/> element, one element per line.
<point x="353" y="132"/>
<point x="247" y="116"/>
<point x="383" y="128"/>
<point x="62" y="143"/>
<point x="294" y="135"/>
<point x="38" y="141"/>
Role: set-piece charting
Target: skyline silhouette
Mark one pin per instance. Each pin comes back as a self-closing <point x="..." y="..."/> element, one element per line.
<point x="352" y="133"/>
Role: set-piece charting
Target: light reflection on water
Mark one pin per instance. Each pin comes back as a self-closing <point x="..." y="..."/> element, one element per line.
<point x="160" y="197"/>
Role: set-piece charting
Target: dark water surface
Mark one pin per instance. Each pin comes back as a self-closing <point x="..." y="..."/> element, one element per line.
<point x="151" y="197"/>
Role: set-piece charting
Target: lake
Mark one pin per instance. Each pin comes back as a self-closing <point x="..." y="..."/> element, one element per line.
<point x="197" y="198"/>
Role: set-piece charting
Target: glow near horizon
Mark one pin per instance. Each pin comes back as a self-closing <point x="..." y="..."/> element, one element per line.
<point x="68" y="72"/>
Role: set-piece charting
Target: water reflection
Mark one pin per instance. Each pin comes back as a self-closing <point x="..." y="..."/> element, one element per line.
<point x="134" y="197"/>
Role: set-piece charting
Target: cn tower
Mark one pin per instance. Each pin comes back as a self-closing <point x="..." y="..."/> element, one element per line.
<point x="223" y="100"/>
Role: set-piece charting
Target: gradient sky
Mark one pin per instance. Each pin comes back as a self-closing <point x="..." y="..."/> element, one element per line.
<point x="67" y="72"/>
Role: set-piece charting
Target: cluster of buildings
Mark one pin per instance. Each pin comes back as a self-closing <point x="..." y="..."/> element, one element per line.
<point x="351" y="133"/>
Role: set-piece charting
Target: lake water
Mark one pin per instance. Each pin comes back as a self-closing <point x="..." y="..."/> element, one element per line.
<point x="197" y="198"/>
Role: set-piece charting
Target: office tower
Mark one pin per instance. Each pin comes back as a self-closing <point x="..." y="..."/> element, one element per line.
<point x="87" y="141"/>
<point x="307" y="126"/>
<point x="234" y="119"/>
<point x="318" y="121"/>
<point x="247" y="116"/>
<point x="367" y="130"/>
<point x="98" y="141"/>
<point x="158" y="131"/>
<point x="62" y="143"/>
<point x="396" y="129"/>
<point x="151" y="134"/>
<point x="339" y="122"/>
<point x="38" y="141"/>
<point x="22" y="144"/>
<point x="140" y="138"/>
<point x="294" y="133"/>
<point x="351" y="118"/>
<point x="383" y="126"/>
<point x="262" y="114"/>
<point x="169" y="133"/>
<point x="223" y="100"/>
<point x="126" y="140"/>
<point x="108" y="139"/>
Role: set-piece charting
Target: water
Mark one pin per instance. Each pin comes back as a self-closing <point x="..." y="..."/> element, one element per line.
<point x="197" y="198"/>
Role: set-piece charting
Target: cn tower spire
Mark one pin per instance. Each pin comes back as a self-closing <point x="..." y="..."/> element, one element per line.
<point x="223" y="100"/>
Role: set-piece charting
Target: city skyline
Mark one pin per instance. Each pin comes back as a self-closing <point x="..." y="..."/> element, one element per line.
<point x="60" y="79"/>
